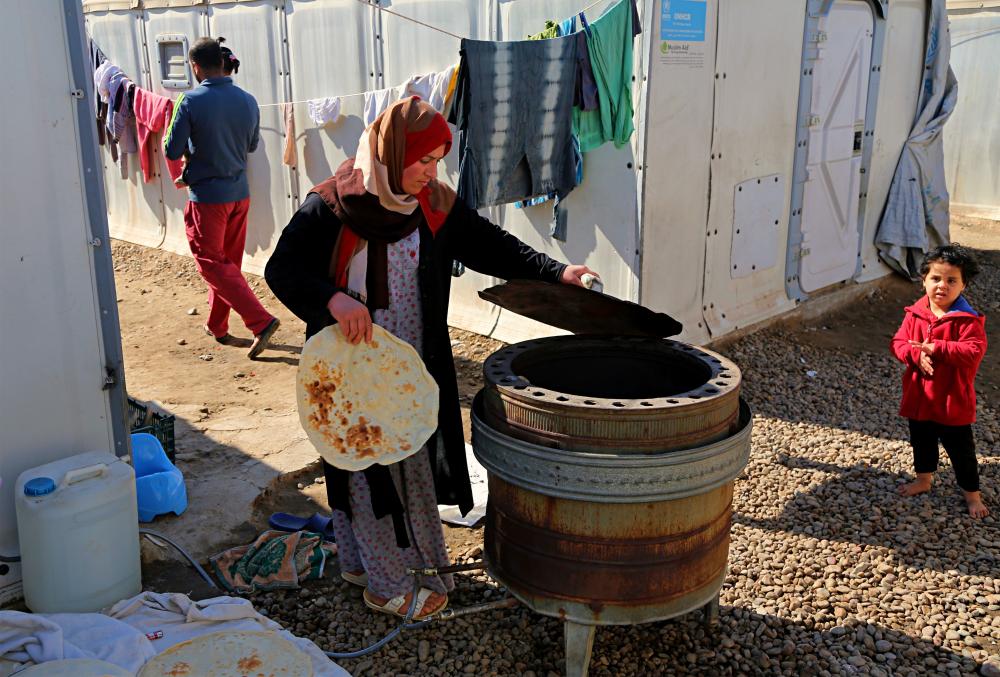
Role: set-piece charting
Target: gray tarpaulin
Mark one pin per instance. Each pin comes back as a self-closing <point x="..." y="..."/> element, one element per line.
<point x="916" y="212"/>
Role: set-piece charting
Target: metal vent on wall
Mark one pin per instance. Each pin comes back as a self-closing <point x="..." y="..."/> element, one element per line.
<point x="171" y="53"/>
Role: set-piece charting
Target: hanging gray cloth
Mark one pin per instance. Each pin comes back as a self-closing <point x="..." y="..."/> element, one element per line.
<point x="916" y="215"/>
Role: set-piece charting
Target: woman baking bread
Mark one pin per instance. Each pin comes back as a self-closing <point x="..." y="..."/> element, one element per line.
<point x="384" y="218"/>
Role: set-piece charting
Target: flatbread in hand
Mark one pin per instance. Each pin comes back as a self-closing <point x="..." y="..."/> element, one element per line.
<point x="366" y="403"/>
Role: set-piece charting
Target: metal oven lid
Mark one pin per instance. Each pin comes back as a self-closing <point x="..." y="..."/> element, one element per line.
<point x="579" y="310"/>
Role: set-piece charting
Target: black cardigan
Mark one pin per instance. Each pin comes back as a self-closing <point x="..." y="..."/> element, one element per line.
<point x="298" y="274"/>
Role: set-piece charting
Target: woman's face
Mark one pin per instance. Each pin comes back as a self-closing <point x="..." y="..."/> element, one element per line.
<point x="417" y="175"/>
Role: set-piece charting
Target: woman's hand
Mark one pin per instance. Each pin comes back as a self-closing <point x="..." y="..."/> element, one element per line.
<point x="352" y="316"/>
<point x="574" y="274"/>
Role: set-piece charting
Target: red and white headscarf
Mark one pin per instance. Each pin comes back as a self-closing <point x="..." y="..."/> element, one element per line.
<point x="367" y="196"/>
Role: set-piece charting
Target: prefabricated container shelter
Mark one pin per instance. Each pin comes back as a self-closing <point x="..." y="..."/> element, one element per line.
<point x="60" y="355"/>
<point x="972" y="136"/>
<point x="767" y="134"/>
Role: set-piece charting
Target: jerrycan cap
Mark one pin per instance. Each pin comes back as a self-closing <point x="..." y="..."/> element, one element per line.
<point x="39" y="486"/>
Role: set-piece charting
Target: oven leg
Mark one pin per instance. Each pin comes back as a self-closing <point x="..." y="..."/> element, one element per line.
<point x="579" y="645"/>
<point x="710" y="613"/>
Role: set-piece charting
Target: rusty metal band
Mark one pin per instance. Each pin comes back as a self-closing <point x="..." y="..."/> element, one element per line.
<point x="613" y="478"/>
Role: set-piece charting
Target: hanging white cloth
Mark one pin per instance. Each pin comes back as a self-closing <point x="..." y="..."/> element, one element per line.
<point x="325" y="111"/>
<point x="432" y="88"/>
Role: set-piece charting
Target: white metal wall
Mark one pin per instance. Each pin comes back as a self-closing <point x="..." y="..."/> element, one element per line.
<point x="52" y="404"/>
<point x="972" y="135"/>
<point x="675" y="173"/>
<point x="756" y="98"/>
<point x="902" y="71"/>
<point x="703" y="129"/>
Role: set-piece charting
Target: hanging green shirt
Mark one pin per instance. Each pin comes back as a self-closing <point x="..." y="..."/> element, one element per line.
<point x="609" y="41"/>
<point x="551" y="31"/>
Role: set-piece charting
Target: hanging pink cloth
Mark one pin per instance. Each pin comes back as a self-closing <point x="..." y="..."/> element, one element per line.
<point x="152" y="116"/>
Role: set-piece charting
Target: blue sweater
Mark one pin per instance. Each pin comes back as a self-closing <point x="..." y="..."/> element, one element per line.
<point x="218" y="125"/>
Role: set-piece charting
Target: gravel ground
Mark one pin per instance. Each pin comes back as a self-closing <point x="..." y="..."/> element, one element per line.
<point x="830" y="572"/>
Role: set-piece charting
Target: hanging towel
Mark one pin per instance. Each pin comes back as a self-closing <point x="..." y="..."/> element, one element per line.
<point x="609" y="42"/>
<point x="434" y="88"/>
<point x="277" y="559"/>
<point x="916" y="217"/>
<point x="290" y="154"/>
<point x="379" y="100"/>
<point x="325" y="111"/>
<point x="152" y="116"/>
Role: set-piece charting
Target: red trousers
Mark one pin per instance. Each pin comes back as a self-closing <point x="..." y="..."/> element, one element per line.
<point x="217" y="234"/>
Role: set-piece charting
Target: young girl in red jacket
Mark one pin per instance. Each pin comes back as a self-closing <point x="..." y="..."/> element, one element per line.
<point x="942" y="341"/>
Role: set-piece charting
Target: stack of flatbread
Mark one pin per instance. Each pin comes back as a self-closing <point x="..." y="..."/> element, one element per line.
<point x="366" y="403"/>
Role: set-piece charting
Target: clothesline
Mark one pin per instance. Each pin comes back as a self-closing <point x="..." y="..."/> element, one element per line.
<point x="406" y="18"/>
<point x="441" y="30"/>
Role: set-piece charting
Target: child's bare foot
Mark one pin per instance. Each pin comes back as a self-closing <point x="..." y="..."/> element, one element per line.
<point x="977" y="508"/>
<point x="918" y="486"/>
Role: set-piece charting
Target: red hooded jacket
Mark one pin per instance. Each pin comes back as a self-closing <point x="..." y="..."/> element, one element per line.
<point x="949" y="396"/>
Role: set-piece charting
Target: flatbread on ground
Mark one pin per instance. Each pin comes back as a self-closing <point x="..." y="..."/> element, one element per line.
<point x="231" y="654"/>
<point x="367" y="403"/>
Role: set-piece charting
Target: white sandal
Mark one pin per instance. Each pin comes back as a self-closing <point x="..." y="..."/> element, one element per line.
<point x="355" y="579"/>
<point x="397" y="606"/>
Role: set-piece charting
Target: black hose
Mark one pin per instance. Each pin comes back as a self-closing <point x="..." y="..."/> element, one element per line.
<point x="201" y="572"/>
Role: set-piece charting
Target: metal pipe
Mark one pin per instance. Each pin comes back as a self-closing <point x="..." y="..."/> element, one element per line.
<point x="450" y="614"/>
<point x="448" y="569"/>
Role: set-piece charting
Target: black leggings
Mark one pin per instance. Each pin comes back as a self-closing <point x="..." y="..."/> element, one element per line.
<point x="957" y="441"/>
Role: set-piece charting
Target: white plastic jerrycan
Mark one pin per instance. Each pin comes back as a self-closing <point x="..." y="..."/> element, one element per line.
<point x="78" y="529"/>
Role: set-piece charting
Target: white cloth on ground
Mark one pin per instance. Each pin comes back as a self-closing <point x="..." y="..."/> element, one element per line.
<point x="325" y="111"/>
<point x="179" y="619"/>
<point x="40" y="638"/>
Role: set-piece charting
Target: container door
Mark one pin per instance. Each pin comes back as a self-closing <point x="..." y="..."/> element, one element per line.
<point x="836" y="123"/>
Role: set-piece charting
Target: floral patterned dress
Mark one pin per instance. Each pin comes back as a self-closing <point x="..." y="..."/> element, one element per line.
<point x="369" y="544"/>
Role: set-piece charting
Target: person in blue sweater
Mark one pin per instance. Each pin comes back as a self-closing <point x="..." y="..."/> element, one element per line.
<point x="216" y="126"/>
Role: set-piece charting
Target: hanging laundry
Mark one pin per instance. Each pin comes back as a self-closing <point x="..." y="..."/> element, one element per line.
<point x="102" y="79"/>
<point x="129" y="139"/>
<point x="102" y="119"/>
<point x="609" y="41"/>
<point x="434" y="88"/>
<point x="379" y="100"/>
<point x="557" y="229"/>
<point x="152" y="116"/>
<point x="584" y="97"/>
<point x="117" y="89"/>
<point x="290" y="154"/>
<point x="324" y="111"/>
<point x="513" y="104"/>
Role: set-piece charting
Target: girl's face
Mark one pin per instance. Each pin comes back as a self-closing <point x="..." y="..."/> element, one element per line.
<point x="943" y="283"/>
<point x="420" y="173"/>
